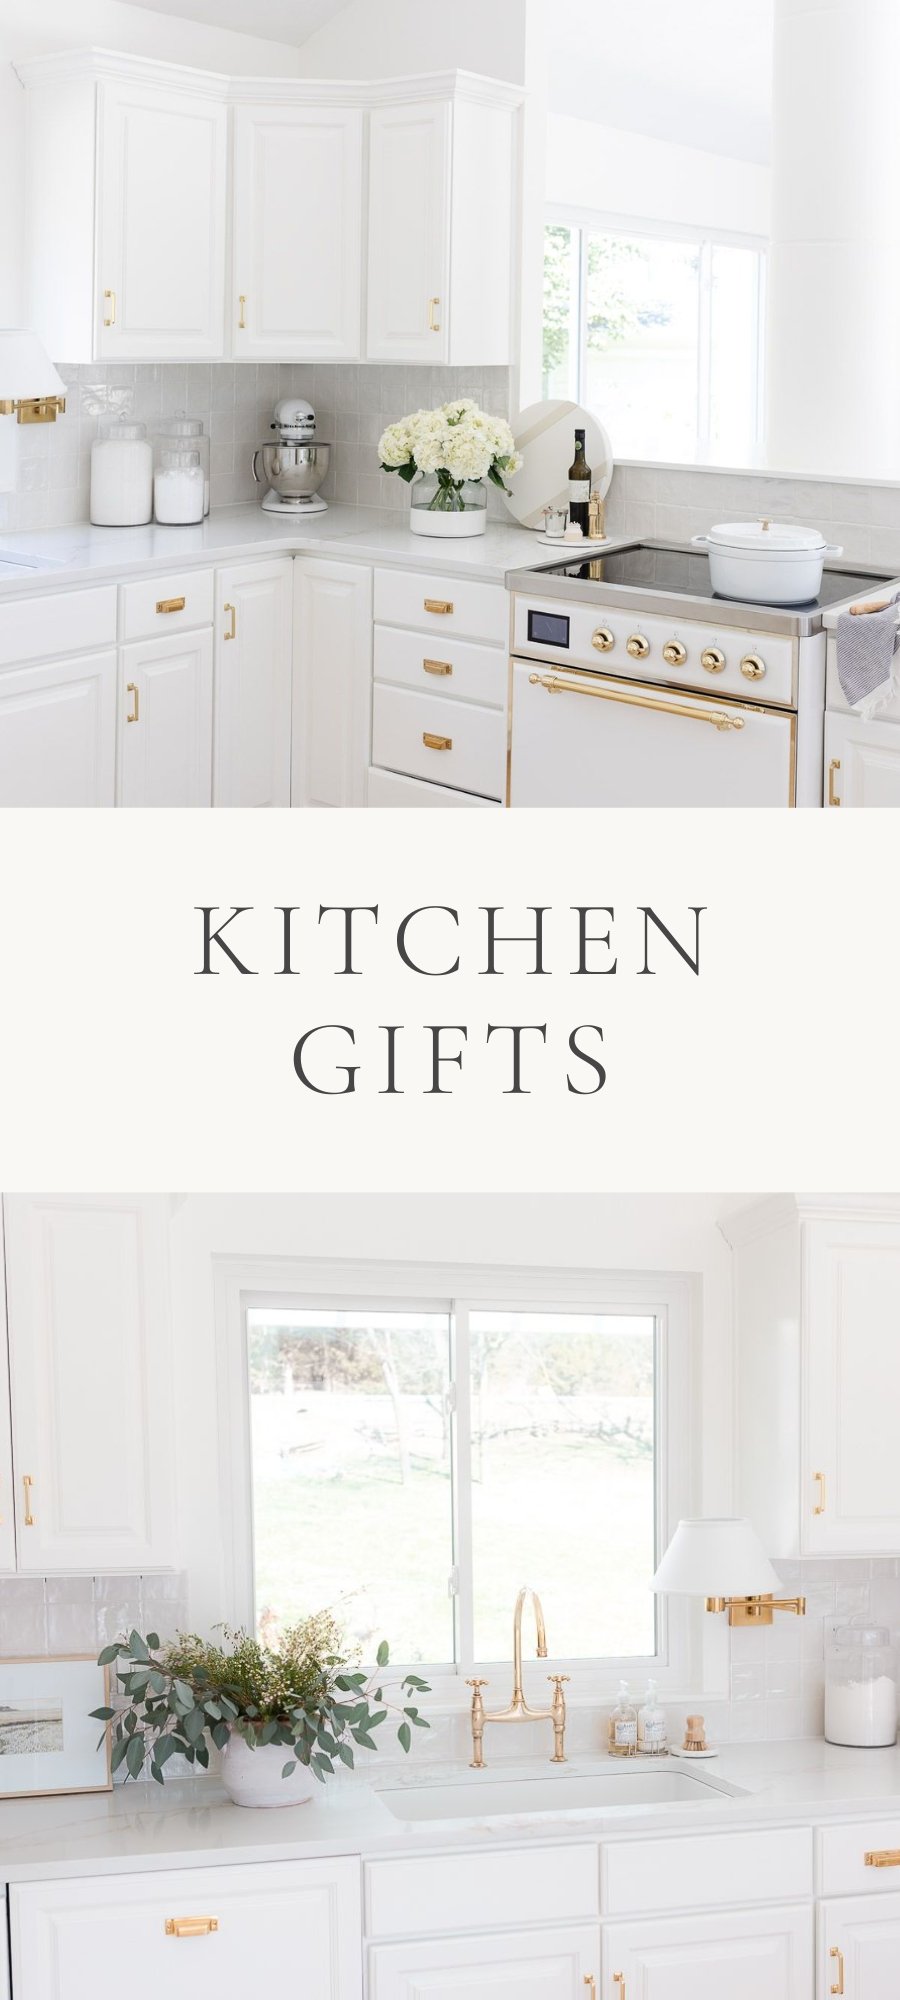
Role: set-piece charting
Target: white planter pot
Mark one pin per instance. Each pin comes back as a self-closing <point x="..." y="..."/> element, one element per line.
<point x="253" y="1777"/>
<point x="765" y="563"/>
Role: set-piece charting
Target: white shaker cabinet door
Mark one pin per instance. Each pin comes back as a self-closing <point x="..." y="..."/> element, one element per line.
<point x="862" y="762"/>
<point x="746" y="1956"/>
<point x="90" y="1350"/>
<point x="332" y="683"/>
<point x="539" y="1965"/>
<point x="850" y="1500"/>
<point x="297" y="261"/>
<point x="162" y="179"/>
<point x="165" y="721"/>
<point x="859" y="1947"/>
<point x="252" y="747"/>
<point x="58" y="733"/>
<point x="7" y="1488"/>
<point x="409" y="233"/>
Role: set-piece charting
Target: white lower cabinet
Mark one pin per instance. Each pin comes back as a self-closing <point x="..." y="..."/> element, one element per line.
<point x="165" y="721"/>
<point x="859" y="1947"/>
<point x="520" y="1965"/>
<point x="58" y="732"/>
<point x="252" y="757"/>
<point x="7" y="1486"/>
<point x="332" y="683"/>
<point x="862" y="762"/>
<point x="751" y="1955"/>
<point x="283" y="1927"/>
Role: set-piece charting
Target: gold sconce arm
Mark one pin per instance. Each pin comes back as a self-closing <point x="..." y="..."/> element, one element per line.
<point x="34" y="409"/>
<point x="756" y="1610"/>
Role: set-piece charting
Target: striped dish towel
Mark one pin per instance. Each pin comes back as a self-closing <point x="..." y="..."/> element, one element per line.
<point x="867" y="658"/>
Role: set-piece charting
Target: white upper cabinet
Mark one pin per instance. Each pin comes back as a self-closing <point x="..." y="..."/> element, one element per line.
<point x="160" y="224"/>
<point x="297" y="263"/>
<point x="90" y="1350"/>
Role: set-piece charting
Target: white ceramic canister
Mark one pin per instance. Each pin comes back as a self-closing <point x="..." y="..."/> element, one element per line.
<point x="185" y="434"/>
<point x="254" y="1777"/>
<point x="178" y="487"/>
<point x="121" y="476"/>
<point x="766" y="562"/>
<point x="861" y="1687"/>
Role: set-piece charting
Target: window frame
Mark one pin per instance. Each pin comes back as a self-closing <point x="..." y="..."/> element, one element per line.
<point x="241" y="1285"/>
<point x="587" y="222"/>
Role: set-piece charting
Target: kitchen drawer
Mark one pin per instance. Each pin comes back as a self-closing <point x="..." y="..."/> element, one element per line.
<point x="458" y="1892"/>
<point x="164" y="604"/>
<point x="443" y="604"/>
<point x="706" y="1871"/>
<point x="38" y="628"/>
<point x="387" y="788"/>
<point x="453" y="667"/>
<point x="843" y="1869"/>
<point x="448" y="742"/>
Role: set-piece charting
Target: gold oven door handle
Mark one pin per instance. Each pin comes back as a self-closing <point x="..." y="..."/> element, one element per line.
<point x="717" y="718"/>
<point x="837" y="1955"/>
<point x="833" y="769"/>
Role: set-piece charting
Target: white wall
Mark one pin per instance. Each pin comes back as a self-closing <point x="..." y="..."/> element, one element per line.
<point x="593" y="166"/>
<point x="409" y="35"/>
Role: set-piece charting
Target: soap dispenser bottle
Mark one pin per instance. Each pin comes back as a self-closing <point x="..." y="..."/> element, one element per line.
<point x="652" y="1729"/>
<point x="623" y="1726"/>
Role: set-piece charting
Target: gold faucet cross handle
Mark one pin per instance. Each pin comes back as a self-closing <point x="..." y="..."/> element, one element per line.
<point x="559" y="1679"/>
<point x="476" y="1684"/>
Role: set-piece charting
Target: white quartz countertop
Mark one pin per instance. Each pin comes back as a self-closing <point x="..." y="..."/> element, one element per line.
<point x="84" y="554"/>
<point x="142" y="1826"/>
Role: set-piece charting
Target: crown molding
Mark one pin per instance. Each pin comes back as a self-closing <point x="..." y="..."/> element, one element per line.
<point x="109" y="65"/>
<point x="762" y="1218"/>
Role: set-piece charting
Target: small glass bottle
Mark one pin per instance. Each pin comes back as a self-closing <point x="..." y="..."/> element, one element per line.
<point x="623" y="1726"/>
<point x="652" y="1729"/>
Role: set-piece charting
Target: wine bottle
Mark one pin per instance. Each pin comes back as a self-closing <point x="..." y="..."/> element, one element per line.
<point x="579" y="486"/>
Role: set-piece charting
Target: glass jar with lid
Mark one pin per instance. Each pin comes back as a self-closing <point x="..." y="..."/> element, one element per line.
<point x="121" y="476"/>
<point x="178" y="487"/>
<point x="185" y="434"/>
<point x="861" y="1686"/>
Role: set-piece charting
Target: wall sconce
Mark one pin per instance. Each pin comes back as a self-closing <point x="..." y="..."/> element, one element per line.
<point x="725" y="1563"/>
<point x="30" y="388"/>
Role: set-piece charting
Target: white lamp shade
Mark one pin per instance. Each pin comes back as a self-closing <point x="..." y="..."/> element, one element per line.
<point x="26" y="370"/>
<point x="716" y="1559"/>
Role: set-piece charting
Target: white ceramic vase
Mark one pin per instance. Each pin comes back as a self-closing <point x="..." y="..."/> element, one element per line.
<point x="440" y="511"/>
<point x="253" y="1777"/>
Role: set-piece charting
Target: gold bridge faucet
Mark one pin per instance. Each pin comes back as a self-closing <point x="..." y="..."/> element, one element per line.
<point x="518" y="1710"/>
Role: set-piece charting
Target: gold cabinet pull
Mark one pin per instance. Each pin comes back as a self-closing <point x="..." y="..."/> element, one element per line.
<point x="619" y="1980"/>
<point x="167" y="604"/>
<point x="439" y="606"/>
<point x="883" y="1857"/>
<point x="109" y="317"/>
<point x="838" y="1956"/>
<point x="436" y="742"/>
<point x="134" y="714"/>
<point x="242" y="315"/>
<point x="590" y="1982"/>
<point x="437" y="666"/>
<point x="232" y="613"/>
<point x="822" y="1486"/>
<point x="180" y="1927"/>
<point x="833" y="768"/>
<point x="28" y="1483"/>
<point x="434" y="324"/>
<point x="718" y="718"/>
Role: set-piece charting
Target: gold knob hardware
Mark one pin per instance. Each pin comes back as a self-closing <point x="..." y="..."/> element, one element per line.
<point x="883" y="1857"/>
<point x="674" y="653"/>
<point x="603" y="640"/>
<point x="833" y="768"/>
<point x="135" y="713"/>
<point x="242" y="316"/>
<point x="28" y="1483"/>
<point x="436" y="742"/>
<point x="180" y="1927"/>
<point x="822" y="1500"/>
<point x="437" y="667"/>
<point x="752" y="667"/>
<point x="232" y="613"/>
<point x="434" y="324"/>
<point x="109" y="318"/>
<point x="838" y="1956"/>
<point x="638" y="647"/>
<point x="713" y="660"/>
<point x="167" y="604"/>
<point x="439" y="606"/>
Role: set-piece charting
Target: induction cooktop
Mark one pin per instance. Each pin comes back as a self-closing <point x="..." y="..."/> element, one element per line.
<point x="684" y="572"/>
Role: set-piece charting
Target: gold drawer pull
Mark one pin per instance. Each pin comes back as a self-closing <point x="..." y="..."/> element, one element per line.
<point x="110" y="315"/>
<point x="437" y="666"/>
<point x="28" y="1483"/>
<point x="822" y="1500"/>
<point x="619" y="1980"/>
<point x="883" y="1857"/>
<point x="833" y="768"/>
<point x="719" y="719"/>
<point x="191" y="1926"/>
<point x="135" y="713"/>
<point x="167" y="604"/>
<point x="436" y="742"/>
<point x="439" y="606"/>
<point x="838" y="1956"/>
<point x="242" y="316"/>
<point x="590" y="1982"/>
<point x="230" y="609"/>
<point x="434" y="324"/>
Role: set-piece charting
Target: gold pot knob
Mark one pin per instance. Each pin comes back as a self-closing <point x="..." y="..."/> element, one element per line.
<point x="752" y="667"/>
<point x="638" y="647"/>
<point x="603" y="639"/>
<point x="674" y="653"/>
<point x="713" y="659"/>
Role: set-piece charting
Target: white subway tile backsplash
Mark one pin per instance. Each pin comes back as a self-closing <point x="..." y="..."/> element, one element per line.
<point x="674" y="503"/>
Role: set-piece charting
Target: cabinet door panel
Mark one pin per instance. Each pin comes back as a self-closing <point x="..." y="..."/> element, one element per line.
<point x="90" y="1369"/>
<point x="852" y="1368"/>
<point x="409" y="225"/>
<point x="862" y="762"/>
<point x="859" y="1947"/>
<point x="7" y="1517"/>
<point x="252" y="758"/>
<point x="58" y="733"/>
<point x="761" y="1952"/>
<point x="332" y="683"/>
<point x="165" y="721"/>
<point x="297" y="233"/>
<point x="539" y="1965"/>
<point x="161" y="224"/>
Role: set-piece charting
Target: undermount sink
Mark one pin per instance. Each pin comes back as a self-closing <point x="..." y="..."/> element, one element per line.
<point x="490" y="1796"/>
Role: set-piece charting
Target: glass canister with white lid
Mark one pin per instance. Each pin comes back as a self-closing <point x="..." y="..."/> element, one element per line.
<point x="121" y="475"/>
<point x="178" y="488"/>
<point x="861" y="1686"/>
<point x="185" y="434"/>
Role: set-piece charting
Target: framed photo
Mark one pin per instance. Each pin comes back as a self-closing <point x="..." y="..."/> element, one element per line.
<point x="48" y="1742"/>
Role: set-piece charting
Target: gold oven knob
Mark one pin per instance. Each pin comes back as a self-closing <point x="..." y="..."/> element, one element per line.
<point x="713" y="660"/>
<point x="638" y="647"/>
<point x="752" y="667"/>
<point x="603" y="639"/>
<point x="674" y="653"/>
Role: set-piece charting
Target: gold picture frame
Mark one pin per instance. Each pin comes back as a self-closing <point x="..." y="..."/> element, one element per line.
<point x="46" y="1730"/>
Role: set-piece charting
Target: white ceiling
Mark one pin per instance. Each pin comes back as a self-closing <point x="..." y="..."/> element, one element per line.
<point x="290" y="21"/>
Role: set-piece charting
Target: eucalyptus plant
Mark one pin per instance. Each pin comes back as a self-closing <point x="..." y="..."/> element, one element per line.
<point x="303" y="1693"/>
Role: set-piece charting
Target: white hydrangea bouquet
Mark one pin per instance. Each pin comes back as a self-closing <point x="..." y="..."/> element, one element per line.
<point x="449" y="447"/>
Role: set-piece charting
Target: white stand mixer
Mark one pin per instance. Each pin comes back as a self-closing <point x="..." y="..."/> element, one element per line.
<point x="293" y="469"/>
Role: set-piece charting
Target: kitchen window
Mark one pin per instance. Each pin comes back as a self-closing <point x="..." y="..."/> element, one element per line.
<point x="661" y="332"/>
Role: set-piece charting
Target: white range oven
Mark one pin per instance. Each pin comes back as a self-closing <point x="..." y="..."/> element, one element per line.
<point x="634" y="685"/>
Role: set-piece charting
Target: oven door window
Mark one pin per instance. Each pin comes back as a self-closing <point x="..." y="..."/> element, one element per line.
<point x="548" y="628"/>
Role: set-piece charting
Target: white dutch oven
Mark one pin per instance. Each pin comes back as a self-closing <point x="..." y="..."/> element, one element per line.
<point x="766" y="562"/>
